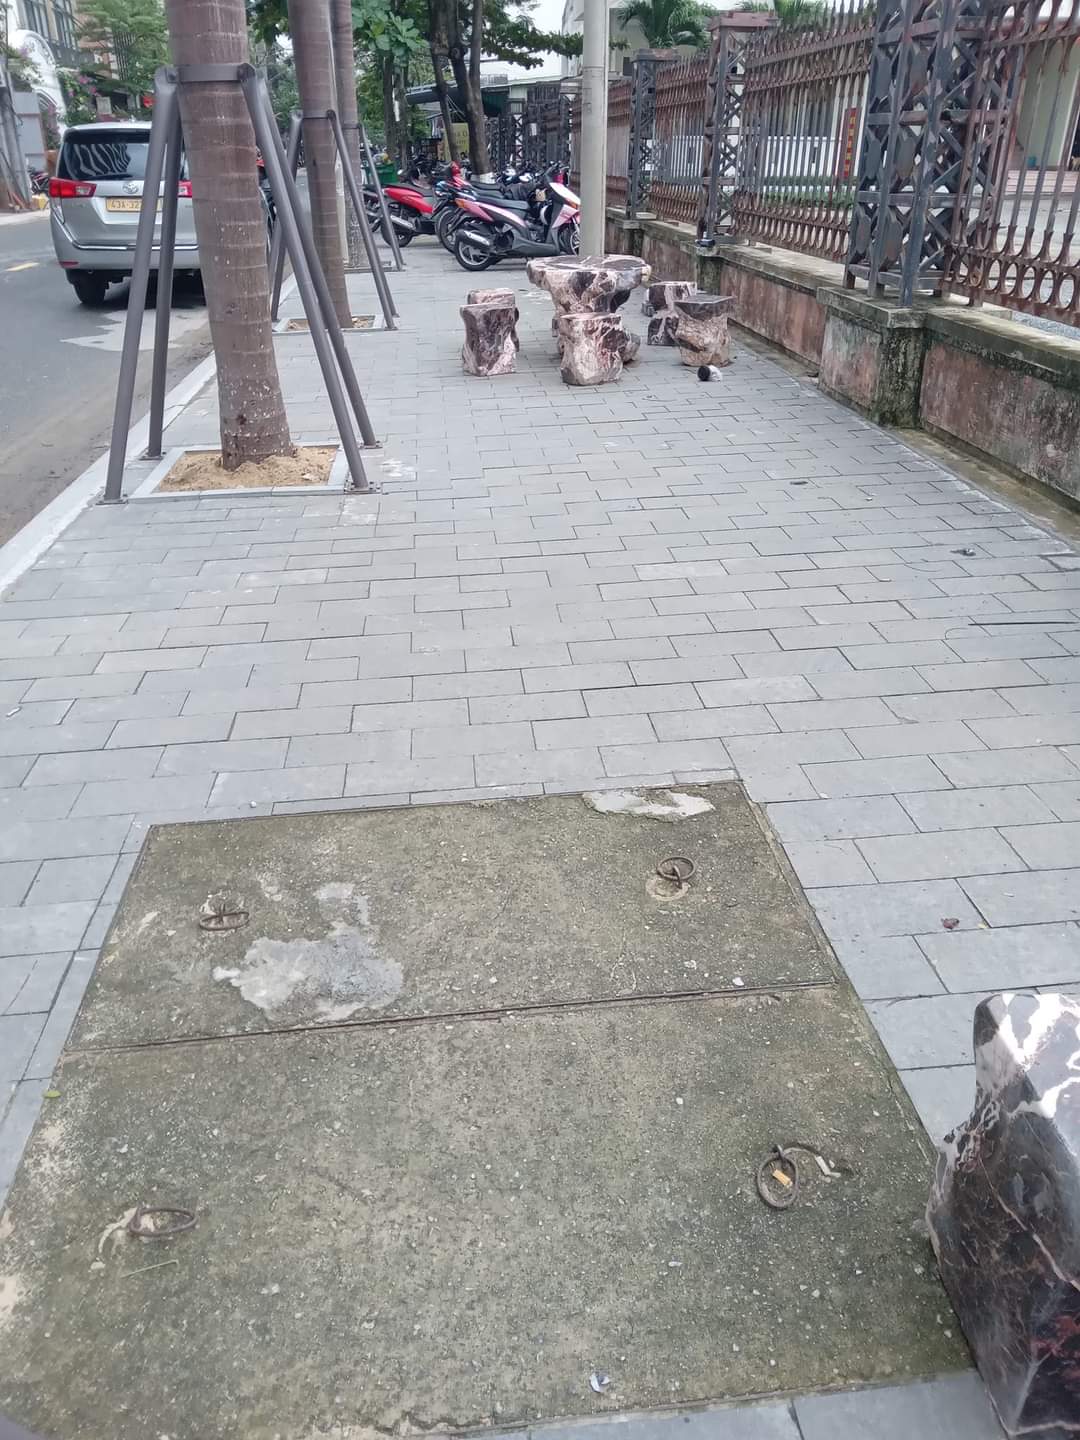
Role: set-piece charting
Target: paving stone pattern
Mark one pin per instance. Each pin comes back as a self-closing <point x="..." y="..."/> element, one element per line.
<point x="557" y="589"/>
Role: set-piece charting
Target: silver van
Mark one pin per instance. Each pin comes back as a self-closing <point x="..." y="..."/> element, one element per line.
<point x="95" y="200"/>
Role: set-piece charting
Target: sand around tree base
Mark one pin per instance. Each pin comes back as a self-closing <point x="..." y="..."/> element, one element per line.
<point x="202" y="470"/>
<point x="359" y="322"/>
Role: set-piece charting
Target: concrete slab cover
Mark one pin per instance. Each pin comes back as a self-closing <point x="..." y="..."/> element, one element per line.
<point x="454" y="1224"/>
<point x="443" y="909"/>
<point x="408" y="1218"/>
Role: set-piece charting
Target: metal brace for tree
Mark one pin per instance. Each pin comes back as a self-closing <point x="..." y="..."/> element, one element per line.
<point x="163" y="163"/>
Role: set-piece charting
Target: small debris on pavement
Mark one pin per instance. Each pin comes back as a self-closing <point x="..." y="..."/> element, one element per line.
<point x="599" y="1381"/>
<point x="950" y="922"/>
<point x="738" y="981"/>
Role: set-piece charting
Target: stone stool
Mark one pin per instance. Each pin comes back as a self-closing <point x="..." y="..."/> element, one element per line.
<point x="1004" y="1211"/>
<point x="489" y="339"/>
<point x="497" y="297"/>
<point x="659" y="304"/>
<point x="590" y="348"/>
<point x="702" y="333"/>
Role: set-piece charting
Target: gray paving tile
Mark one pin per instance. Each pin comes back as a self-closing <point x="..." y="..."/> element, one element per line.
<point x="884" y="968"/>
<point x="55" y="839"/>
<point x="861" y="912"/>
<point x="18" y="1036"/>
<point x="170" y="730"/>
<point x="1062" y="799"/>
<point x="926" y="1031"/>
<point x="84" y="765"/>
<point x="273" y="724"/>
<point x="828" y="862"/>
<point x="298" y="782"/>
<point x="228" y="700"/>
<point x="61" y="1017"/>
<point x="16" y="877"/>
<point x="1029" y="898"/>
<point x="879" y="742"/>
<point x="735" y="1422"/>
<point x="642" y="699"/>
<point x="52" y="739"/>
<point x="59" y="881"/>
<point x="452" y="772"/>
<point x="618" y="729"/>
<point x="848" y="778"/>
<point x="1006" y="767"/>
<point x="840" y="819"/>
<point x="1020" y="730"/>
<point x="950" y="705"/>
<point x="939" y="855"/>
<point x="684" y="756"/>
<point x="127" y="797"/>
<point x="976" y="808"/>
<point x="199" y="759"/>
<point x="1045" y="847"/>
<point x="943" y="1095"/>
<point x="42" y="929"/>
<point x="1013" y="958"/>
<point x="793" y="748"/>
<point x="545" y="705"/>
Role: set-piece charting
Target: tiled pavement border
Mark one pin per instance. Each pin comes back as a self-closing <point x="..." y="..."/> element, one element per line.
<point x="555" y="589"/>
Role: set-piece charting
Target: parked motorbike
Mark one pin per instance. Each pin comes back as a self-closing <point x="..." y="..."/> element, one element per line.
<point x="547" y="223"/>
<point x="512" y="185"/>
<point x="411" y="212"/>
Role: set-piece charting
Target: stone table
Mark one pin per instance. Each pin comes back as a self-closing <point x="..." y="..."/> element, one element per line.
<point x="1004" y="1211"/>
<point x="592" y="285"/>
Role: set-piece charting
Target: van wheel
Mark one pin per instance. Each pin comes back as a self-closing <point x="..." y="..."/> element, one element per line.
<point x="89" y="287"/>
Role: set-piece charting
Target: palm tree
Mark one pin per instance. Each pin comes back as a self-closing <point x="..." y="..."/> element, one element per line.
<point x="341" y="24"/>
<point x="309" y="26"/>
<point x="231" y="228"/>
<point x="792" y="14"/>
<point x="666" y="23"/>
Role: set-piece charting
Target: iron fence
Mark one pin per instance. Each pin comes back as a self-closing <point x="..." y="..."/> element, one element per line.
<point x="929" y="146"/>
<point x="803" y="98"/>
<point x="1013" y="239"/>
<point x="619" y="112"/>
<point x="678" y="139"/>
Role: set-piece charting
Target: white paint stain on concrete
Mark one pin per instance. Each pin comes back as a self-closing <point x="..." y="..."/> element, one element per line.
<point x="650" y="804"/>
<point x="328" y="979"/>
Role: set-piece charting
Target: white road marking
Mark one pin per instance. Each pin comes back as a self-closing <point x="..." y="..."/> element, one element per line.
<point x="110" y="334"/>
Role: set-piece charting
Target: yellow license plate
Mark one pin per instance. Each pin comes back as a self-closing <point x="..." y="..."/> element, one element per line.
<point x="135" y="205"/>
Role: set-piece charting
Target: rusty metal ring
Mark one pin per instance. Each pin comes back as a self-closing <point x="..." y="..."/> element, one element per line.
<point x="677" y="869"/>
<point x="185" y="1221"/>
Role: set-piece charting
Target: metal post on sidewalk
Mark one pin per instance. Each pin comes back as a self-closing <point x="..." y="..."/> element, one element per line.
<point x="384" y="211"/>
<point x="352" y="186"/>
<point x="277" y="248"/>
<point x="311" y="282"/>
<point x="163" y="310"/>
<point x="594" y="128"/>
<point x="165" y="109"/>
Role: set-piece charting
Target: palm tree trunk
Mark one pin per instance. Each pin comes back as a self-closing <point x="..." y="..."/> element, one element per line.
<point x="231" y="229"/>
<point x="439" y="30"/>
<point x="469" y="94"/>
<point x="345" y="75"/>
<point x="309" y="26"/>
<point x="390" y="122"/>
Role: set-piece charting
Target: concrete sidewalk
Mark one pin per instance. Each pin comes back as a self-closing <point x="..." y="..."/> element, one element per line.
<point x="557" y="590"/>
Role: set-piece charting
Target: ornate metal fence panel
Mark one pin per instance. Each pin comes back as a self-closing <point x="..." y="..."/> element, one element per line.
<point x="731" y="36"/>
<point x="575" y="141"/>
<point x="546" y="125"/>
<point x="803" y="95"/>
<point x="919" y="117"/>
<point x="619" y="115"/>
<point x="679" y="139"/>
<point x="1014" y="231"/>
<point x="642" y="121"/>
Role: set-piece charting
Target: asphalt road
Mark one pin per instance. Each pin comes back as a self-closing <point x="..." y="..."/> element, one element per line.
<point x="58" y="368"/>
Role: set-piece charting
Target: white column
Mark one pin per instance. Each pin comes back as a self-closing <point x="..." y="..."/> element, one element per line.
<point x="594" y="128"/>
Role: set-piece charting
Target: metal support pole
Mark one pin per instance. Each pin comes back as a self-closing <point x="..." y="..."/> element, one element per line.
<point x="388" y="229"/>
<point x="311" y="282"/>
<point x="277" y="248"/>
<point x="163" y="312"/>
<point x="353" y="189"/>
<point x="594" y="128"/>
<point x="165" y="109"/>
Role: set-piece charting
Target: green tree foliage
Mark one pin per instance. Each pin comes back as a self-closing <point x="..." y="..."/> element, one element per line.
<point x="792" y="14"/>
<point x="666" y="23"/>
<point x="134" y="30"/>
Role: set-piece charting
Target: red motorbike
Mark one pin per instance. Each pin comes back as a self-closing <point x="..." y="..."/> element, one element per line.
<point x="411" y="212"/>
